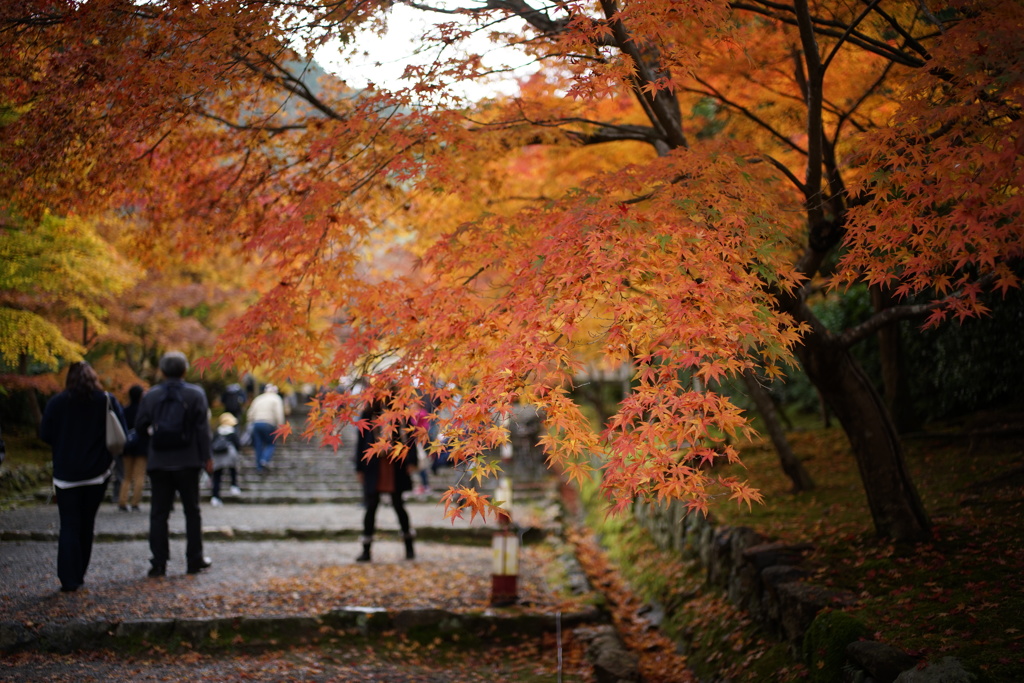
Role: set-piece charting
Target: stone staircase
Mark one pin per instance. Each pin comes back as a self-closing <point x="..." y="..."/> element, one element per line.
<point x="304" y="471"/>
<point x="308" y="472"/>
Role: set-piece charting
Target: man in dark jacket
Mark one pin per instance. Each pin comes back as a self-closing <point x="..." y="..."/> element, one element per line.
<point x="174" y="462"/>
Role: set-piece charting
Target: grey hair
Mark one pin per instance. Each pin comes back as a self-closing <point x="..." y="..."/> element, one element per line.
<point x="174" y="364"/>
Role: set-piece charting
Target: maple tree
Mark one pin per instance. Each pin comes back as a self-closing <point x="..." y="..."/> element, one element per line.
<point x="59" y="278"/>
<point x="665" y="192"/>
<point x="69" y="291"/>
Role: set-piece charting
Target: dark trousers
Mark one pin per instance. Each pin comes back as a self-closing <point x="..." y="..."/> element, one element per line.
<point x="164" y="484"/>
<point x="77" y="509"/>
<point x="370" y="517"/>
<point x="218" y="476"/>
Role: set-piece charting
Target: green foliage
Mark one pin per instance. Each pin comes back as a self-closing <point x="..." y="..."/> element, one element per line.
<point x="951" y="370"/>
<point x="825" y="644"/>
<point x="979" y="364"/>
<point x="29" y="334"/>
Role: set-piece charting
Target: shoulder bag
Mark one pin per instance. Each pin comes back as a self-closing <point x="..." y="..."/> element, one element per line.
<point x="116" y="438"/>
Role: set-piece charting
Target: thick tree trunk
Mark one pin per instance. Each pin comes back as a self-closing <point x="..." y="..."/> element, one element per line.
<point x="791" y="464"/>
<point x="895" y="506"/>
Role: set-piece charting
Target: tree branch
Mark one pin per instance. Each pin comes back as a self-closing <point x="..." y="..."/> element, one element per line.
<point x="815" y="125"/>
<point x="890" y="315"/>
<point x="833" y="29"/>
<point x="717" y="94"/>
<point x="662" y="103"/>
<point x="848" y="32"/>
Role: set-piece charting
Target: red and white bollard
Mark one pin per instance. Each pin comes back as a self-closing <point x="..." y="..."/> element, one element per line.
<point x="505" y="576"/>
<point x="505" y="551"/>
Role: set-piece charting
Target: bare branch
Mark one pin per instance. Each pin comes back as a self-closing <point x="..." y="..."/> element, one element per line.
<point x="832" y="29"/>
<point x="273" y="130"/>
<point x="910" y="41"/>
<point x="746" y="112"/>
<point x="848" y="32"/>
<point x="815" y="126"/>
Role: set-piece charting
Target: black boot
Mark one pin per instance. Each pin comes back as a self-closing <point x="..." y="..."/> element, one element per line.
<point x="365" y="557"/>
<point x="410" y="552"/>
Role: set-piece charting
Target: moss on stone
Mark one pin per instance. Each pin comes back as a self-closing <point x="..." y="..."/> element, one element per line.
<point x="825" y="642"/>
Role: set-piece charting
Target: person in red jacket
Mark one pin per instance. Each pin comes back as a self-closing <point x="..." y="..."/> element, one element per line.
<point x="378" y="475"/>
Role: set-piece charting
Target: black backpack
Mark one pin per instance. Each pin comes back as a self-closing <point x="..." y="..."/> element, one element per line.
<point x="220" y="444"/>
<point x="171" y="428"/>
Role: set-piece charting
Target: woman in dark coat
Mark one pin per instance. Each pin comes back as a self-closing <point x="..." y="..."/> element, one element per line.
<point x="75" y="425"/>
<point x="379" y="474"/>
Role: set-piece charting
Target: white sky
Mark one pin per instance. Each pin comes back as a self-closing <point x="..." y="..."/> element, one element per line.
<point x="386" y="57"/>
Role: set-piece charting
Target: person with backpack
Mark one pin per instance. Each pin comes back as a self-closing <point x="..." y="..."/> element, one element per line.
<point x="174" y="414"/>
<point x="225" y="447"/>
<point x="75" y="425"/>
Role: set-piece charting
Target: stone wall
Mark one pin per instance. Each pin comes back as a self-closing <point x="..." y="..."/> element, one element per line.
<point x="758" y="575"/>
<point x="767" y="579"/>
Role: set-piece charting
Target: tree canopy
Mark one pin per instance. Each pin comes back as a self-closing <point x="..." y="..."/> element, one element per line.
<point x="664" y="192"/>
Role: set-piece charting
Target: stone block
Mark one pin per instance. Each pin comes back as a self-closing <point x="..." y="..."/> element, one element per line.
<point x="14" y="635"/>
<point x="799" y="603"/>
<point x="365" y="620"/>
<point x="948" y="670"/>
<point x="765" y="555"/>
<point x="277" y="628"/>
<point x="612" y="662"/>
<point x="768" y="614"/>
<point x="418" y="621"/>
<point x="149" y="630"/>
<point x="198" y="631"/>
<point x="720" y="565"/>
<point x="743" y="585"/>
<point x="78" y="634"/>
<point x="884" y="663"/>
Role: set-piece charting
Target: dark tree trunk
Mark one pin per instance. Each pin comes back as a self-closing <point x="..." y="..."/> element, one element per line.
<point x="894" y="379"/>
<point x="791" y="464"/>
<point x="895" y="506"/>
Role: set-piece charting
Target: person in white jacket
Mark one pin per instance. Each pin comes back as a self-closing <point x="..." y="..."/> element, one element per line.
<point x="265" y="414"/>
